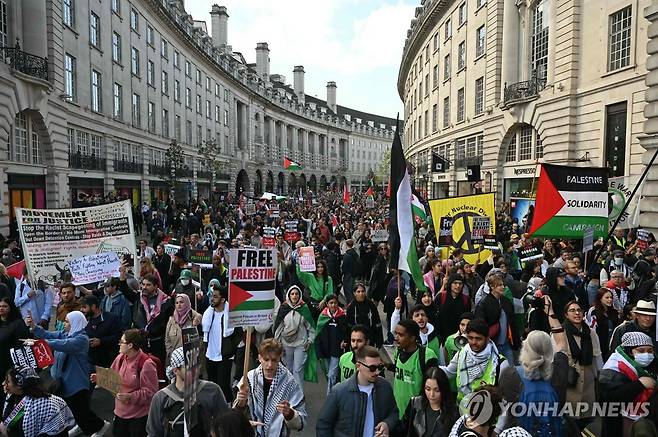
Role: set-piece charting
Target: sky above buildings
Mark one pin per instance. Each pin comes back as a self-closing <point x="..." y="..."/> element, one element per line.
<point x="356" y="43"/>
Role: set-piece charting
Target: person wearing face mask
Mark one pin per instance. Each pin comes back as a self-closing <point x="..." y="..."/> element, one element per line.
<point x="185" y="286"/>
<point x="628" y="376"/>
<point x="616" y="263"/>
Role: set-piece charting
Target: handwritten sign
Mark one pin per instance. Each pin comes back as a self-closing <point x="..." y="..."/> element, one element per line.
<point x="306" y="259"/>
<point x="108" y="379"/>
<point x="94" y="268"/>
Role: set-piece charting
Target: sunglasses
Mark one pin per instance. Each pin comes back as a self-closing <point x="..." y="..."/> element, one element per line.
<point x="372" y="367"/>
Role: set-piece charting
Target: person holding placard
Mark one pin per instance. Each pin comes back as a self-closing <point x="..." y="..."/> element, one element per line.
<point x="319" y="284"/>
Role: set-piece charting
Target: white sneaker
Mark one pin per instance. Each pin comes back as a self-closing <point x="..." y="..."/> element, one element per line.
<point x="103" y="430"/>
<point x="76" y="430"/>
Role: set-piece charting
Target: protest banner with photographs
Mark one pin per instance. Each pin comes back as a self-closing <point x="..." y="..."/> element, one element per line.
<point x="94" y="268"/>
<point x="108" y="379"/>
<point x="642" y="239"/>
<point x="191" y="351"/>
<point x="269" y="237"/>
<point x="52" y="238"/>
<point x="529" y="253"/>
<point x="306" y="259"/>
<point x="252" y="274"/>
<point x="36" y="354"/>
<point x="445" y="232"/>
<point x="379" y="236"/>
<point x="292" y="233"/>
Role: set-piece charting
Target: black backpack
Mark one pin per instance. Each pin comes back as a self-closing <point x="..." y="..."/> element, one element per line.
<point x="174" y="417"/>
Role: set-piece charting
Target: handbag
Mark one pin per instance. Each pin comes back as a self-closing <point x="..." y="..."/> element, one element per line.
<point x="572" y="376"/>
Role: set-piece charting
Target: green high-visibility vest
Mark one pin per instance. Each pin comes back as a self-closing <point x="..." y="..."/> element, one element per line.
<point x="409" y="377"/>
<point x="488" y="377"/>
<point x="346" y="366"/>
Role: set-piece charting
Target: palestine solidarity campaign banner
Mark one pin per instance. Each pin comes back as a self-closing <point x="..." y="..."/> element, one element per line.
<point x="570" y="200"/>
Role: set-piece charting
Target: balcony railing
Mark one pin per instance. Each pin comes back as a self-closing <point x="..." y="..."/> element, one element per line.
<point x="465" y="162"/>
<point x="85" y="161"/>
<point x="158" y="170"/>
<point x="223" y="176"/>
<point x="524" y="90"/>
<point x="24" y="62"/>
<point x="123" y="166"/>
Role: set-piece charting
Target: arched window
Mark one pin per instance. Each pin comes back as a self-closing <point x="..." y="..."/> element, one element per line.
<point x="524" y="145"/>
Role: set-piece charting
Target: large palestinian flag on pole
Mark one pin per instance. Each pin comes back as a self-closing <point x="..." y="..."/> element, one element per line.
<point x="570" y="200"/>
<point x="289" y="164"/>
<point x="404" y="255"/>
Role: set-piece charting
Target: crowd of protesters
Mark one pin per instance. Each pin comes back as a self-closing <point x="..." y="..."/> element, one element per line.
<point x="397" y="357"/>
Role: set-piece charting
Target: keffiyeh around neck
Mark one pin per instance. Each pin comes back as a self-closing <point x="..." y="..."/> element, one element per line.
<point x="176" y="360"/>
<point x="77" y="322"/>
<point x="472" y="365"/>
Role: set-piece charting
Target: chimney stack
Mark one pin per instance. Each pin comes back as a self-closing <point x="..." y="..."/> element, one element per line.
<point x="219" y="24"/>
<point x="298" y="82"/>
<point x="263" y="61"/>
<point x="331" y="96"/>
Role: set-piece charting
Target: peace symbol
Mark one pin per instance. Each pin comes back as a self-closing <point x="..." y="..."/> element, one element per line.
<point x="465" y="240"/>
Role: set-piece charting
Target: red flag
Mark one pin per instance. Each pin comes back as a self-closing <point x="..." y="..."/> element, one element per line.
<point x="388" y="188"/>
<point x="370" y="192"/>
<point x="346" y="194"/>
<point x="334" y="220"/>
<point x="16" y="270"/>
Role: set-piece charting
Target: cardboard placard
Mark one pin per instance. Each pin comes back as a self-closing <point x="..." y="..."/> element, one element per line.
<point x="171" y="249"/>
<point x="94" y="268"/>
<point x="379" y="236"/>
<point x="252" y="274"/>
<point x="306" y="259"/>
<point x="108" y="379"/>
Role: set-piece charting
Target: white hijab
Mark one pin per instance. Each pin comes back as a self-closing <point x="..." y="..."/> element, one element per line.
<point x="78" y="322"/>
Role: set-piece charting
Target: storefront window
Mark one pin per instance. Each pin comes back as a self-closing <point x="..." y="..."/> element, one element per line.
<point x="522" y="187"/>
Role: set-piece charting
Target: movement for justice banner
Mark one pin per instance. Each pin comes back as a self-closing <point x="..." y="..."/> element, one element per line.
<point x="462" y="210"/>
<point x="52" y="238"/>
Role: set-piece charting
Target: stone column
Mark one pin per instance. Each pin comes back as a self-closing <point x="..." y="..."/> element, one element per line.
<point x="510" y="64"/>
<point x="272" y="151"/>
<point x="649" y="204"/>
<point x="284" y="140"/>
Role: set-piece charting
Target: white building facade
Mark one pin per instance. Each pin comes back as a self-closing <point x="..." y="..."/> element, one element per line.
<point x="93" y="93"/>
<point x="510" y="84"/>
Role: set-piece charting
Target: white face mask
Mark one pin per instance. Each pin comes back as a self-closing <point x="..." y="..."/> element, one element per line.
<point x="619" y="261"/>
<point x="185" y="281"/>
<point x="643" y="358"/>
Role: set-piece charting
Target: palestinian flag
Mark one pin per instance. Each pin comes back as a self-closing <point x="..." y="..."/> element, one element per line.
<point x="418" y="206"/>
<point x="323" y="319"/>
<point x="370" y="192"/>
<point x="310" y="366"/>
<point x="16" y="270"/>
<point x="251" y="295"/>
<point x="570" y="200"/>
<point x="404" y="255"/>
<point x="624" y="364"/>
<point x="290" y="165"/>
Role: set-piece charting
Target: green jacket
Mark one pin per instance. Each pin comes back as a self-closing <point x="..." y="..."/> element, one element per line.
<point x="319" y="289"/>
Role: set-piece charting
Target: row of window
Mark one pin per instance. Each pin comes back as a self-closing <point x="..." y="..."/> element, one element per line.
<point x="420" y="128"/>
<point x="465" y="147"/>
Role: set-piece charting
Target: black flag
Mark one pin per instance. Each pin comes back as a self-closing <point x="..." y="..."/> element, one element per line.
<point x="439" y="164"/>
<point x="473" y="173"/>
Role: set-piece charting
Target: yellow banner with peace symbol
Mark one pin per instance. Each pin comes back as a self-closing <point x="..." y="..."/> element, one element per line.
<point x="462" y="210"/>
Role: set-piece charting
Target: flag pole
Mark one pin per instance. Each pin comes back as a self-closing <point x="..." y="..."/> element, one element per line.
<point x="399" y="293"/>
<point x="623" y="210"/>
<point x="247" y="352"/>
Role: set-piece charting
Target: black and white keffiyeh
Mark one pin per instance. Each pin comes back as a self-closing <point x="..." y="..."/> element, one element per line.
<point x="284" y="387"/>
<point x="49" y="415"/>
<point x="472" y="365"/>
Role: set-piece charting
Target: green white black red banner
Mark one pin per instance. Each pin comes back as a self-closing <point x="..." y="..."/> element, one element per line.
<point x="252" y="274"/>
<point x="569" y="200"/>
<point x="619" y="193"/>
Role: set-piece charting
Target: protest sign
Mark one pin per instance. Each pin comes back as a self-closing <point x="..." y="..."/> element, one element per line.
<point x="191" y="351"/>
<point x="306" y="259"/>
<point x="171" y="249"/>
<point x="36" y="354"/>
<point x="445" y="231"/>
<point x="274" y="210"/>
<point x="291" y="234"/>
<point x="379" y="236"/>
<point x="588" y="239"/>
<point x="642" y="239"/>
<point x="370" y="202"/>
<point x="619" y="194"/>
<point x="94" y="268"/>
<point x="108" y="379"/>
<point x="199" y="256"/>
<point x="481" y="227"/>
<point x="252" y="274"/>
<point x="462" y="210"/>
<point x="269" y="237"/>
<point x="530" y="253"/>
<point x="250" y="208"/>
<point x="490" y="242"/>
<point x="53" y="237"/>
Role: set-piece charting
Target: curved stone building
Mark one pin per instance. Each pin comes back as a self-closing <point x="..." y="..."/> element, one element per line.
<point x="92" y="94"/>
<point x="507" y="84"/>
